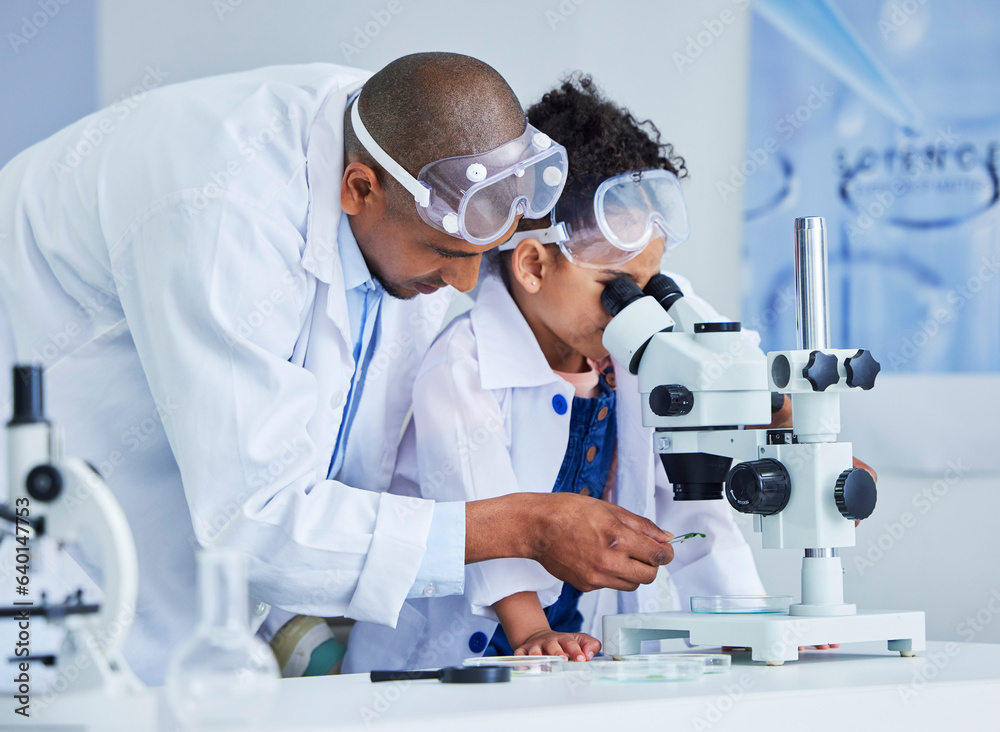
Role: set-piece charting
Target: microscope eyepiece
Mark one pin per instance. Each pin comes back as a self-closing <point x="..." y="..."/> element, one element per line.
<point x="28" y="405"/>
<point x="619" y="294"/>
<point x="664" y="290"/>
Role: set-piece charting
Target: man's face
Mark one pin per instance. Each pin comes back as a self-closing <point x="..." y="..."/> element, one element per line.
<point x="405" y="255"/>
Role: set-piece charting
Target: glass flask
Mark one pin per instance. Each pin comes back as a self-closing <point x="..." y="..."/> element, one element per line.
<point x="223" y="677"/>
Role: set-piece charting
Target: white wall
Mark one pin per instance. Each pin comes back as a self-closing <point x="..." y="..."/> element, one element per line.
<point x="628" y="47"/>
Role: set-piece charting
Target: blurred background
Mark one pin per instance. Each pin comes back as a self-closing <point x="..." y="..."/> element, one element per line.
<point x="883" y="117"/>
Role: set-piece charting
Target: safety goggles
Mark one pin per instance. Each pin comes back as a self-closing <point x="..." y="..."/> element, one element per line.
<point x="629" y="211"/>
<point x="477" y="197"/>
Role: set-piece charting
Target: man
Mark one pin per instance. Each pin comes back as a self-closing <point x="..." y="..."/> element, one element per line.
<point x="221" y="281"/>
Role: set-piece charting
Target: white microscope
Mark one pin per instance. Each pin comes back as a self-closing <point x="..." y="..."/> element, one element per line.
<point x="700" y="381"/>
<point x="59" y="499"/>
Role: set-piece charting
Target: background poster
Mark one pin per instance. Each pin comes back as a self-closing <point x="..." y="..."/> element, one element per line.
<point x="884" y="118"/>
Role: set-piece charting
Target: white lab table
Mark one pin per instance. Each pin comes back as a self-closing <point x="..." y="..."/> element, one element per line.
<point x="858" y="687"/>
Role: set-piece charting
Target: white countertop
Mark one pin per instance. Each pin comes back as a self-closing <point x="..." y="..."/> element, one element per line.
<point x="859" y="687"/>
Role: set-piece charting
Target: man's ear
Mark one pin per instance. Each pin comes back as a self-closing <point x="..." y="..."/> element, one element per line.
<point x="359" y="189"/>
<point x="529" y="264"/>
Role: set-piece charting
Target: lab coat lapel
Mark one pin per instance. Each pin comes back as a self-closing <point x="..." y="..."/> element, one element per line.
<point x="329" y="354"/>
<point x="509" y="354"/>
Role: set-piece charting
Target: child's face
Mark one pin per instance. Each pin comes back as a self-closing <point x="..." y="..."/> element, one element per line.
<point x="564" y="308"/>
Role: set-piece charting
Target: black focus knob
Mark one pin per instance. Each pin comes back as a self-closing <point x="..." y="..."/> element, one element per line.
<point x="44" y="483"/>
<point x="821" y="370"/>
<point x="862" y="369"/>
<point x="619" y="294"/>
<point x="855" y="494"/>
<point x="671" y="400"/>
<point x="759" y="486"/>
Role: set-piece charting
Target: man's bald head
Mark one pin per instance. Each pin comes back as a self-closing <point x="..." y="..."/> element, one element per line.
<point x="429" y="106"/>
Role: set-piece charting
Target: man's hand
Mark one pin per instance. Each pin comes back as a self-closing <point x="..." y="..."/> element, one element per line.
<point x="593" y="544"/>
<point x="589" y="543"/>
<point x="571" y="646"/>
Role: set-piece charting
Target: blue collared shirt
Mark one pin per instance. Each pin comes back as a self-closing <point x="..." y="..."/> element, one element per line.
<point x="442" y="571"/>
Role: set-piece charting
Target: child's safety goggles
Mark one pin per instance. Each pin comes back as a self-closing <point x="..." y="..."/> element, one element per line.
<point x="628" y="211"/>
<point x="477" y="197"/>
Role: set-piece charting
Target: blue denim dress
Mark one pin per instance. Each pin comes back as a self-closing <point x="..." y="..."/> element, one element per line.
<point x="585" y="468"/>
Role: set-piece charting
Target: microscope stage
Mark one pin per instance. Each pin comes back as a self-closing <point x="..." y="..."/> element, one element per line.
<point x="773" y="637"/>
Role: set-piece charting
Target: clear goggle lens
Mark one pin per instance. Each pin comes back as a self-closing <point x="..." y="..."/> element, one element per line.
<point x="477" y="197"/>
<point x="628" y="212"/>
<point x="630" y="209"/>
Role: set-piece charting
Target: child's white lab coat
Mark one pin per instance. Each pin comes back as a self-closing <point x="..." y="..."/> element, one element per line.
<point x="484" y="425"/>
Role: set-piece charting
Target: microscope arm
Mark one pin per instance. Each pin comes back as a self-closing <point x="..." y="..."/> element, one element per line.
<point x="86" y="504"/>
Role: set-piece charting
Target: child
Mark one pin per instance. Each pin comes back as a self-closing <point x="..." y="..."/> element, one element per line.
<point x="520" y="395"/>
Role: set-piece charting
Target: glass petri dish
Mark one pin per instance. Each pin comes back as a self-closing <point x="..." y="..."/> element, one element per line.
<point x="714" y="663"/>
<point x="655" y="668"/>
<point x="521" y="665"/>
<point x="740" y="603"/>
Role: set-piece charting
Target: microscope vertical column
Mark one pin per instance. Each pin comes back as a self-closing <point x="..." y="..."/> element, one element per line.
<point x="816" y="415"/>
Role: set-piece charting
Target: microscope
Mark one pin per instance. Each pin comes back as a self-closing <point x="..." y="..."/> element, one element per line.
<point x="58" y="498"/>
<point x="700" y="383"/>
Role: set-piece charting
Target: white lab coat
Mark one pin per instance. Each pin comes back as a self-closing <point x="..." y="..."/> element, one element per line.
<point x="484" y="426"/>
<point x="174" y="264"/>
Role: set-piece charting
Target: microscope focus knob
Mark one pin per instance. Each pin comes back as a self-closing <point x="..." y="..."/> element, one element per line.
<point x="758" y="486"/>
<point x="855" y="494"/>
<point x="862" y="369"/>
<point x="671" y="400"/>
<point x="821" y="370"/>
<point x="44" y="483"/>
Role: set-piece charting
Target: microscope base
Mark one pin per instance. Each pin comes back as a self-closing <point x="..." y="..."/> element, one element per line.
<point x="774" y="638"/>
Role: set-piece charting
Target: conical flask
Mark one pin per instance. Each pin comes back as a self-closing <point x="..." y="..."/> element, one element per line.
<point x="223" y="677"/>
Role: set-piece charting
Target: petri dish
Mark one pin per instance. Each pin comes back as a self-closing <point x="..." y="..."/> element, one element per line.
<point x="654" y="668"/>
<point x="740" y="603"/>
<point x="521" y="665"/>
<point x="713" y="663"/>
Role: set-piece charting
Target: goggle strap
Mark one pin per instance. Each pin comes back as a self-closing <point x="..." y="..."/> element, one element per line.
<point x="555" y="234"/>
<point x="421" y="192"/>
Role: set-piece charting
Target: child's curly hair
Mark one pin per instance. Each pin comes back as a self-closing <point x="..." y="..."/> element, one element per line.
<point x="602" y="139"/>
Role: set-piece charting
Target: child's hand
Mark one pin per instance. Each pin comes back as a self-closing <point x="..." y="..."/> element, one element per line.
<point x="571" y="646"/>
